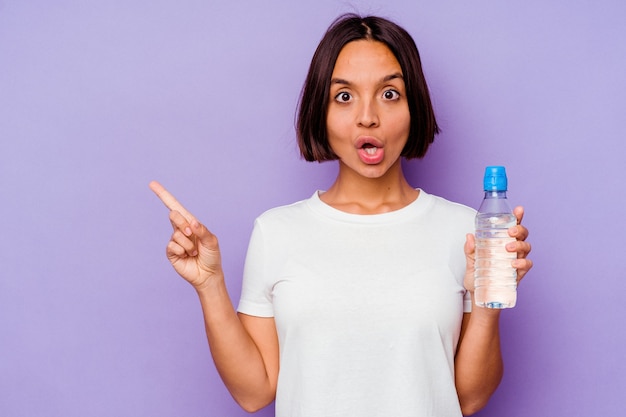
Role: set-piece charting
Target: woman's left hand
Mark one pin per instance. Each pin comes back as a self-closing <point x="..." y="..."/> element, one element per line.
<point x="522" y="263"/>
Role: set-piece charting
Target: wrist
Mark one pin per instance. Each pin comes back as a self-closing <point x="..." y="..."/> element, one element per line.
<point x="212" y="282"/>
<point x="485" y="317"/>
<point x="484" y="313"/>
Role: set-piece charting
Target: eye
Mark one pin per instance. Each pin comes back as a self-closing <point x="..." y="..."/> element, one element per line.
<point x="391" y="95"/>
<point x="343" y="97"/>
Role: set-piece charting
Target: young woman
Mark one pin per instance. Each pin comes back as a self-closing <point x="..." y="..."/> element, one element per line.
<point x="357" y="301"/>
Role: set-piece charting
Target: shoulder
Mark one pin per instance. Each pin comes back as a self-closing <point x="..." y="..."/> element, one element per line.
<point x="444" y="205"/>
<point x="284" y="226"/>
<point x="285" y="214"/>
<point x="446" y="212"/>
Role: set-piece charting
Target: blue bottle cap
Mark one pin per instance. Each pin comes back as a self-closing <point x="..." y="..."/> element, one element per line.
<point x="495" y="179"/>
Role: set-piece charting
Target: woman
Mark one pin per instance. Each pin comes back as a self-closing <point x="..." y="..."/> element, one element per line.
<point x="357" y="301"/>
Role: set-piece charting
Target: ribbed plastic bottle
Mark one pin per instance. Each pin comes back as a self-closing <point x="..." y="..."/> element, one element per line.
<point x="495" y="280"/>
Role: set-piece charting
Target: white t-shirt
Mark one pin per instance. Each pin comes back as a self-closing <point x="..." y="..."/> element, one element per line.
<point x="368" y="308"/>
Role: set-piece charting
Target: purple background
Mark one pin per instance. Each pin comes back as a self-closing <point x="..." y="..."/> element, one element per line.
<point x="99" y="98"/>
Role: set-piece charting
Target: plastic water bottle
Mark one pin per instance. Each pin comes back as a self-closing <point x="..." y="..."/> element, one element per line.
<point x="495" y="280"/>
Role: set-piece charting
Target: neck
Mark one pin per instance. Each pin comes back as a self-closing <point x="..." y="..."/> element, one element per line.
<point x="357" y="194"/>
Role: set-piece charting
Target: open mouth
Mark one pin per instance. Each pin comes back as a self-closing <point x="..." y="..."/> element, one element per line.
<point x="369" y="148"/>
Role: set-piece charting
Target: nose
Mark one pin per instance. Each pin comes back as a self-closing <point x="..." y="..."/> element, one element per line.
<point x="368" y="114"/>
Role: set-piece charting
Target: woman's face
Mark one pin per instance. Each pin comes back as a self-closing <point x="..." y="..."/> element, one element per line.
<point x="368" y="117"/>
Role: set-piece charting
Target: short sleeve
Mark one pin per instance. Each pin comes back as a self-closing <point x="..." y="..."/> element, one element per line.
<point x="256" y="290"/>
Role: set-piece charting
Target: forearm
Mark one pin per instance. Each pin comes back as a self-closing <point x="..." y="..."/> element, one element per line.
<point x="478" y="362"/>
<point x="194" y="253"/>
<point x="235" y="354"/>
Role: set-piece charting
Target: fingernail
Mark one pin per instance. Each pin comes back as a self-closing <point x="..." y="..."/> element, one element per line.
<point x="188" y="231"/>
<point x="194" y="253"/>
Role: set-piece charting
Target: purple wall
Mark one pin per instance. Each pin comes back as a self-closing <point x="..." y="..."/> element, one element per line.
<point x="97" y="100"/>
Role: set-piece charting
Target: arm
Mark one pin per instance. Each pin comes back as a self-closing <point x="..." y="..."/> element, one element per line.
<point x="478" y="361"/>
<point x="244" y="348"/>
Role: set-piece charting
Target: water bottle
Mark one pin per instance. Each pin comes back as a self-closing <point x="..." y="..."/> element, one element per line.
<point x="495" y="280"/>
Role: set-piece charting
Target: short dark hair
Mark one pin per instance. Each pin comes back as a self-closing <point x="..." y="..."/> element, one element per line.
<point x="311" y="117"/>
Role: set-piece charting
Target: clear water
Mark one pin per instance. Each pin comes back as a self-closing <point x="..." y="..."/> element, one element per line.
<point x="495" y="280"/>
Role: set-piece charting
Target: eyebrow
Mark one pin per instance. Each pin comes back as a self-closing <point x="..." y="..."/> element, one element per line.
<point x="384" y="80"/>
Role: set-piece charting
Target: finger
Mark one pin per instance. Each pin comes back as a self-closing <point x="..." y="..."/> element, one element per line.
<point x="188" y="244"/>
<point x="519" y="213"/>
<point x="180" y="222"/>
<point x="173" y="250"/>
<point x="522" y="248"/>
<point x="169" y="200"/>
<point x="519" y="232"/>
<point x="522" y="266"/>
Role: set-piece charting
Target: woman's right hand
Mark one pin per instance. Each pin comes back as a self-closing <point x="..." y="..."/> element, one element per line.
<point x="245" y="348"/>
<point x="193" y="250"/>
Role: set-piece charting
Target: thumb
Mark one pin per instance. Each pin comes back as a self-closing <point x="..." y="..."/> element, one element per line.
<point x="205" y="239"/>
<point x="209" y="258"/>
<point x="470" y="245"/>
<point x="469" y="249"/>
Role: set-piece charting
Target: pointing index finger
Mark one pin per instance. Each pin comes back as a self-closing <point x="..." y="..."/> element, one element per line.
<point x="169" y="200"/>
